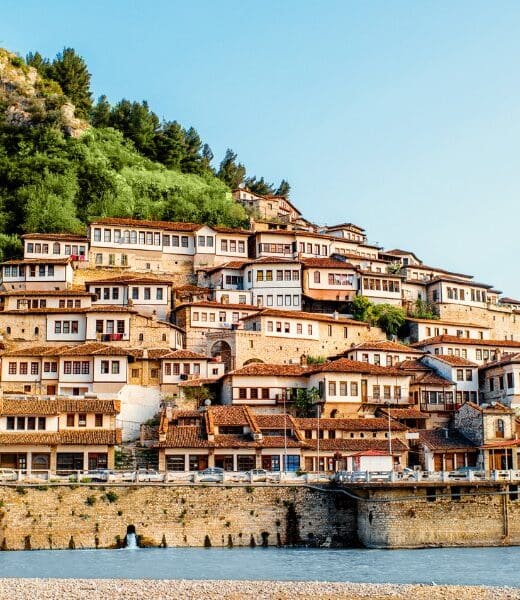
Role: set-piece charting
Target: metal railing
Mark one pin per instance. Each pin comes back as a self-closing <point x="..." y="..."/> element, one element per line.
<point x="426" y="476"/>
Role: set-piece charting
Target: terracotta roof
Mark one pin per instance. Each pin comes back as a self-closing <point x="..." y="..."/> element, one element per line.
<point x="432" y="378"/>
<point x="344" y="365"/>
<point x="37" y="351"/>
<point x="198" y="382"/>
<point x="357" y="445"/>
<point x="232" y="264"/>
<point x="453" y="339"/>
<point x="274" y="260"/>
<point x="60" y="237"/>
<point x="436" y="439"/>
<point x="218" y="305"/>
<point x="54" y="406"/>
<point x="230" y="415"/>
<point x="386" y="346"/>
<point x="458" y="280"/>
<point x="43" y="293"/>
<point x="501" y="444"/>
<point x="78" y="437"/>
<point x="103" y="308"/>
<point x="184" y="436"/>
<point x="259" y="369"/>
<point x="454" y="361"/>
<point x="129" y="280"/>
<point x="404" y="413"/>
<point x="495" y="407"/>
<point x="386" y="275"/>
<point x="275" y="421"/>
<point x="398" y="252"/>
<point x="505" y="359"/>
<point x="412" y="365"/>
<point x="167" y="225"/>
<point x="434" y="322"/>
<point x="94" y="349"/>
<point x="343" y="226"/>
<point x="89" y="405"/>
<point x="326" y="263"/>
<point x="29" y="406"/>
<point x="278" y="441"/>
<point x="309" y="316"/>
<point x="37" y="261"/>
<point x="507" y="300"/>
<point x="152" y="353"/>
<point x="424" y="267"/>
<point x="369" y="424"/>
<point x="90" y="436"/>
<point x="185" y="354"/>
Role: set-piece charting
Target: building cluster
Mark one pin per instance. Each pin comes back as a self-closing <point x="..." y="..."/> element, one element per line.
<point x="239" y="344"/>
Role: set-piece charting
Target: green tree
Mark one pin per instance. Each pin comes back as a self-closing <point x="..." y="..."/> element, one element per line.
<point x="50" y="204"/>
<point x="137" y="122"/>
<point x="422" y="309"/>
<point x="100" y="113"/>
<point x="41" y="64"/>
<point x="304" y="404"/>
<point x="389" y="318"/>
<point x="170" y="145"/>
<point x="193" y="161"/>
<point x="259" y="186"/>
<point x="362" y="309"/>
<point x="10" y="247"/>
<point x="71" y="72"/>
<point x="231" y="172"/>
<point x="284" y="189"/>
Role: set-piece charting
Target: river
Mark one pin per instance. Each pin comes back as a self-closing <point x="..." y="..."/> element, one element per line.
<point x="462" y="566"/>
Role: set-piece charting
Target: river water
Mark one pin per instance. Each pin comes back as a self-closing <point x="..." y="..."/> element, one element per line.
<point x="464" y="566"/>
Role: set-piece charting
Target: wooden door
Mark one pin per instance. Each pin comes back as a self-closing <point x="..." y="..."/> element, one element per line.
<point x="364" y="387"/>
<point x="51" y="390"/>
<point x="449" y="463"/>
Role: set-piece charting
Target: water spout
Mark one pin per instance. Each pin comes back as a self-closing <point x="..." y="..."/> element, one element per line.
<point x="131" y="541"/>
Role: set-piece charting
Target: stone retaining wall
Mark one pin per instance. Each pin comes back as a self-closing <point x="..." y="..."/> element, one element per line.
<point x="96" y="516"/>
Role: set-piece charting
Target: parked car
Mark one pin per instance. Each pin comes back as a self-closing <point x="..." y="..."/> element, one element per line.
<point x="257" y="475"/>
<point x="180" y="476"/>
<point x="8" y="475"/>
<point x="463" y="472"/>
<point x="104" y="475"/>
<point x="212" y="474"/>
<point x="149" y="475"/>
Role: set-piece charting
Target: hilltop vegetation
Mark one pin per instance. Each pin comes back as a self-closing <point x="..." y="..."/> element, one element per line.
<point x="65" y="159"/>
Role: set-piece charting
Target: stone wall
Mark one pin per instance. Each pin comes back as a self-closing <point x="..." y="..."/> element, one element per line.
<point x="503" y="322"/>
<point x="445" y="520"/>
<point x="95" y="516"/>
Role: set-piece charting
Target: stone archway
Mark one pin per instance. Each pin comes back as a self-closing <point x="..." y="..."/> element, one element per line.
<point x="223" y="350"/>
<point x="252" y="361"/>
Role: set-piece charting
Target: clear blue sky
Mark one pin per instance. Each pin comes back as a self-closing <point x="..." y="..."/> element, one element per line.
<point x="403" y="117"/>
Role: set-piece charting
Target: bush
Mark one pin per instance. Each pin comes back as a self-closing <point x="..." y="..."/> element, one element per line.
<point x="111" y="496"/>
<point x="90" y="501"/>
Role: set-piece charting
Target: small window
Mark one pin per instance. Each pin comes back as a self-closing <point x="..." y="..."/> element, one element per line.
<point x="70" y="419"/>
<point x="98" y="420"/>
<point x="82" y="420"/>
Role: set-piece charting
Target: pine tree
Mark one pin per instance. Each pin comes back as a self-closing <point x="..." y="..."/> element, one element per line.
<point x="259" y="186"/>
<point x="100" y="113"/>
<point x="231" y="172"/>
<point x="137" y="122"/>
<point x="170" y="145"/>
<point x="193" y="161"/>
<point x="36" y="60"/>
<point x="71" y="72"/>
<point x="284" y="189"/>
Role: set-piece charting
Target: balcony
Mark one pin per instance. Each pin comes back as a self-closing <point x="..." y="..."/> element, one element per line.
<point x="109" y="337"/>
<point x="439" y="407"/>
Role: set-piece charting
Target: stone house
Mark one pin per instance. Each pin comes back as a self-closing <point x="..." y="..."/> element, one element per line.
<point x="382" y="352"/>
<point x="461" y="371"/>
<point x="442" y="450"/>
<point x="56" y="245"/>
<point x="479" y="351"/>
<point x="493" y="429"/>
<point x="37" y="274"/>
<point x="500" y="381"/>
<point x="64" y="434"/>
<point x="328" y="284"/>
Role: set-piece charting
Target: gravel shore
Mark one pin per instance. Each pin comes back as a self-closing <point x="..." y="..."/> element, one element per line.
<point x="94" y="589"/>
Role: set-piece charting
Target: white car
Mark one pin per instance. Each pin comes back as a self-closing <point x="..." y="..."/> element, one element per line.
<point x="8" y="475"/>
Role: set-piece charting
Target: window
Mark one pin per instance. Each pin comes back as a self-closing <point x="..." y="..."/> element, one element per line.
<point x="242" y="393"/>
<point x="23" y="368"/>
<point x="223" y="245"/>
<point x="97" y="235"/>
<point x="159" y="294"/>
<point x="147" y="293"/>
<point x="98" y="420"/>
<point x="35" y="367"/>
<point x="510" y="382"/>
<point x="82" y="420"/>
<point x="343" y="388"/>
<point x="376" y="392"/>
<point x="115" y="367"/>
<point x="85" y="367"/>
<point x="42" y="423"/>
<point x="70" y="420"/>
<point x="353" y="388"/>
<point x="460" y="375"/>
<point x="309" y="329"/>
<point x="105" y="366"/>
<point x="253" y="393"/>
<point x="469" y="375"/>
<point x="99" y="259"/>
<point x="293" y="463"/>
<point x="184" y="241"/>
<point x="317" y="277"/>
<point x="201" y="240"/>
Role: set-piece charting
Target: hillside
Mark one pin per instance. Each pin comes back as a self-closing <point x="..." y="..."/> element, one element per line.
<point x="58" y="170"/>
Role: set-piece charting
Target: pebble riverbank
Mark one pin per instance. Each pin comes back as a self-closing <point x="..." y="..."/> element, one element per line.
<point x="136" y="589"/>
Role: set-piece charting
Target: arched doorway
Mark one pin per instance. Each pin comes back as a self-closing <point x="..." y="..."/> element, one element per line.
<point x="223" y="350"/>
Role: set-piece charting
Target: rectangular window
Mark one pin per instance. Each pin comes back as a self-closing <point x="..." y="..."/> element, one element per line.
<point x="23" y="368"/>
<point x="159" y="294"/>
<point x="70" y="419"/>
<point x="105" y="367"/>
<point x="82" y="420"/>
<point x="184" y="241"/>
<point x="67" y="367"/>
<point x="343" y="388"/>
<point x="387" y="392"/>
<point x="35" y="367"/>
<point x="115" y="367"/>
<point x="223" y="245"/>
<point x="97" y="235"/>
<point x="98" y="420"/>
<point x="469" y="375"/>
<point x="332" y="388"/>
<point x="353" y="388"/>
<point x="201" y="241"/>
<point x="241" y="247"/>
<point x="42" y="423"/>
<point x="147" y="293"/>
<point x="309" y="329"/>
<point x="460" y="375"/>
<point x="57" y="326"/>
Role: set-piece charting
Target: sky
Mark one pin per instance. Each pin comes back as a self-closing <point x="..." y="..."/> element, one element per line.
<point x="401" y="117"/>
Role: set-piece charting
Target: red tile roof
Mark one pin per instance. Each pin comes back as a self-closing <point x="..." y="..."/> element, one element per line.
<point x="37" y="261"/>
<point x="217" y="305"/>
<point x="185" y="354"/>
<point x="94" y="349"/>
<point x="442" y="439"/>
<point x="167" y="225"/>
<point x="386" y="346"/>
<point x="357" y="445"/>
<point x="309" y="316"/>
<point x="129" y="280"/>
<point x="434" y="322"/>
<point x="453" y="339"/>
<point x="83" y="437"/>
<point x="39" y="407"/>
<point x="60" y="237"/>
<point x="404" y="413"/>
<point x="326" y="263"/>
<point x="344" y="365"/>
<point x="368" y="424"/>
<point x="269" y="369"/>
<point x="43" y="293"/>
<point x="454" y="361"/>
